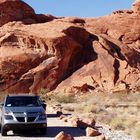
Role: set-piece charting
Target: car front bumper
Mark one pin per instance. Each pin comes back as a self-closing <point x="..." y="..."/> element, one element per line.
<point x="23" y="126"/>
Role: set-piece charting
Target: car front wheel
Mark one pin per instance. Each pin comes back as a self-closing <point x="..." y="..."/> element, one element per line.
<point x="43" y="131"/>
<point x="3" y="131"/>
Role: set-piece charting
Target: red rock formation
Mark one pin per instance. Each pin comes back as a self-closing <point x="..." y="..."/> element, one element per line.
<point x="136" y="7"/>
<point x="72" y="54"/>
<point x="15" y="10"/>
<point x="115" y="53"/>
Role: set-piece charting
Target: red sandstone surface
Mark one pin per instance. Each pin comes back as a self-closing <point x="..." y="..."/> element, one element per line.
<point x="68" y="54"/>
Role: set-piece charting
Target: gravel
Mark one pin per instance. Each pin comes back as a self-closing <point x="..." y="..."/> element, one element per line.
<point x="115" y="135"/>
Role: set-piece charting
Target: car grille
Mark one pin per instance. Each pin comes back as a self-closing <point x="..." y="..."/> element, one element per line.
<point x="20" y="119"/>
<point x="23" y="119"/>
<point x="30" y="119"/>
<point x="30" y="116"/>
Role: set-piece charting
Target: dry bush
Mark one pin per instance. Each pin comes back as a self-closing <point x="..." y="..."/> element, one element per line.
<point x="2" y="96"/>
<point x="61" y="98"/>
<point x="69" y="107"/>
<point x="43" y="94"/>
<point x="137" y="132"/>
<point x="105" y="108"/>
<point x="117" y="123"/>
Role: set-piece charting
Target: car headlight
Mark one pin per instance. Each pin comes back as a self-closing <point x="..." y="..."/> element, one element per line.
<point x="7" y="112"/>
<point x="8" y="117"/>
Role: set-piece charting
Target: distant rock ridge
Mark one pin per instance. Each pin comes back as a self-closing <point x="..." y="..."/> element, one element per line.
<point x="68" y="54"/>
<point x="17" y="10"/>
<point x="14" y="10"/>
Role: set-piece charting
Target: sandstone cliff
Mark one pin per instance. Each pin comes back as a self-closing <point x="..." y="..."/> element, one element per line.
<point x="68" y="54"/>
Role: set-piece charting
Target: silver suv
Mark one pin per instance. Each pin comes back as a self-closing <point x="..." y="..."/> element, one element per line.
<point x="22" y="112"/>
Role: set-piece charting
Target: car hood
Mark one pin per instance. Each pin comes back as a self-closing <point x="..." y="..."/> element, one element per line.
<point x="25" y="109"/>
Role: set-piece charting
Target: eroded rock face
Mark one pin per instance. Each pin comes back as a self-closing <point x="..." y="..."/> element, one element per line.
<point x="31" y="59"/>
<point x="115" y="53"/>
<point x="69" y="54"/>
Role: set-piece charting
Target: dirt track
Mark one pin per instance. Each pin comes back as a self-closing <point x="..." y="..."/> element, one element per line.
<point x="54" y="127"/>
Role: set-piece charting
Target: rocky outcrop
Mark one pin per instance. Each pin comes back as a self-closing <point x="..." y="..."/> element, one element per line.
<point x="15" y="10"/>
<point x="136" y="7"/>
<point x="68" y="54"/>
<point x="32" y="59"/>
<point x="115" y="63"/>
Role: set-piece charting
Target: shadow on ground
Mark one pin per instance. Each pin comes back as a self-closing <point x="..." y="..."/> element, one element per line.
<point x="74" y="131"/>
<point x="52" y="132"/>
<point x="55" y="115"/>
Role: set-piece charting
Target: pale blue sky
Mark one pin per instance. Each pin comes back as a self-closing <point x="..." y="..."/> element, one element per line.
<point x="80" y="8"/>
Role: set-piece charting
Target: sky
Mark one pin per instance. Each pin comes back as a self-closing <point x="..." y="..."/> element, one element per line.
<point x="78" y="8"/>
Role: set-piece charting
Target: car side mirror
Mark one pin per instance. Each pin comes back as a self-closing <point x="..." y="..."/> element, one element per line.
<point x="44" y="105"/>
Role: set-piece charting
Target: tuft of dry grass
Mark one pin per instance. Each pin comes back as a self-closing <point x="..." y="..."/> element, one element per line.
<point x="117" y="123"/>
<point x="137" y="132"/>
<point x="61" y="98"/>
<point x="2" y="96"/>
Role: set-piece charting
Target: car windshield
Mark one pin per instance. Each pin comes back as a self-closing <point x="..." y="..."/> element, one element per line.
<point x="23" y="101"/>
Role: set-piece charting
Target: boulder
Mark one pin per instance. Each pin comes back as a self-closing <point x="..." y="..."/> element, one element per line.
<point x="62" y="117"/>
<point x="59" y="113"/>
<point x="63" y="136"/>
<point x="73" y="121"/>
<point x="89" y="121"/>
<point x="86" y="122"/>
<point x="101" y="137"/>
<point x="82" y="124"/>
<point x="90" y="132"/>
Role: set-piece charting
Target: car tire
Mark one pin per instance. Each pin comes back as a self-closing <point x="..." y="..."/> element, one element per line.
<point x="43" y="131"/>
<point x="3" y="131"/>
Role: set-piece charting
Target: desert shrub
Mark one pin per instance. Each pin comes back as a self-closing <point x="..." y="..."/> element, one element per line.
<point x="137" y="132"/>
<point x="2" y="95"/>
<point x="78" y="108"/>
<point x="90" y="108"/>
<point x="61" y="98"/>
<point x="69" y="108"/>
<point x="117" y="123"/>
<point x="43" y="94"/>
